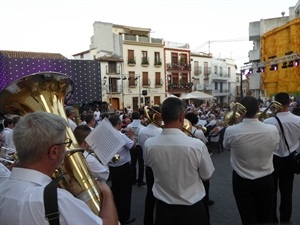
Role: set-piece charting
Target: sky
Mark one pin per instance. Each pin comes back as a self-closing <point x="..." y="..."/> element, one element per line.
<point x="66" y="26"/>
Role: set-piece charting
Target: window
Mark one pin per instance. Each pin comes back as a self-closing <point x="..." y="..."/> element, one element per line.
<point x="216" y="70"/>
<point x="157" y="78"/>
<point x="238" y="79"/>
<point x="131" y="78"/>
<point x="131" y="59"/>
<point x="145" y="79"/>
<point x="183" y="58"/>
<point x="174" y="58"/>
<point x="157" y="60"/>
<point x="175" y="78"/>
<point x="221" y="71"/>
<point x="145" y="57"/>
<point x="112" y="67"/>
<point x="216" y="86"/>
<point x="184" y="79"/>
<point x="229" y="71"/>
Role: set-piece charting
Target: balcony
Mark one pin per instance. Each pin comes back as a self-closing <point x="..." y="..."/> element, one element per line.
<point x="159" y="83"/>
<point x="197" y="70"/>
<point x="146" y="83"/>
<point x="181" y="66"/>
<point x="220" y="76"/>
<point x="113" y="89"/>
<point x="112" y="71"/>
<point x="206" y="72"/>
<point x="180" y="88"/>
<point x="157" y="62"/>
<point x="131" y="62"/>
<point x="145" y="61"/>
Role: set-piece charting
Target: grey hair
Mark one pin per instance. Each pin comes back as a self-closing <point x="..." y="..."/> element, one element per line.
<point x="171" y="109"/>
<point x="36" y="132"/>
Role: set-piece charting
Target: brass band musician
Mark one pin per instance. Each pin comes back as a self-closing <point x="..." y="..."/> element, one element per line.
<point x="40" y="140"/>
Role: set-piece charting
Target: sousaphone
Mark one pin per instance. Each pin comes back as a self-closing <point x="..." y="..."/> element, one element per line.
<point x="47" y="92"/>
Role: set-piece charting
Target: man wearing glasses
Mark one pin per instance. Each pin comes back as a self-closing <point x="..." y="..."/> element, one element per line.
<point x="40" y="140"/>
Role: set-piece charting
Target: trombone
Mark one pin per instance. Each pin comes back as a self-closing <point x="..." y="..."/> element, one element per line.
<point x="274" y="107"/>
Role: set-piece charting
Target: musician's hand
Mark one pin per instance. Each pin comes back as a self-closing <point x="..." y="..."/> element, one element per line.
<point x="104" y="188"/>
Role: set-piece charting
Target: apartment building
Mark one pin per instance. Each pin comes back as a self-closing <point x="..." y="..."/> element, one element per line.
<point x="214" y="76"/>
<point x="132" y="65"/>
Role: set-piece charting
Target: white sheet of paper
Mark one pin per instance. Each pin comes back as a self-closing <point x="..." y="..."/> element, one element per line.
<point x="105" y="141"/>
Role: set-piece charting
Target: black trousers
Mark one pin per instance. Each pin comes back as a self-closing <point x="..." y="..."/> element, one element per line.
<point x="137" y="157"/>
<point x="284" y="180"/>
<point x="121" y="188"/>
<point x="150" y="199"/>
<point x="181" y="214"/>
<point x="254" y="198"/>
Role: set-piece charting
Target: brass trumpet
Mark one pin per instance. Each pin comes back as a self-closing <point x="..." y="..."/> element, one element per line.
<point x="157" y="120"/>
<point x="46" y="92"/>
<point x="274" y="107"/>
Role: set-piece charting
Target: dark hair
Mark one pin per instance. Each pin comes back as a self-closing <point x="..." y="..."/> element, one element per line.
<point x="135" y="115"/>
<point x="104" y="115"/>
<point x="251" y="104"/>
<point x="7" y="121"/>
<point x="114" y="120"/>
<point x="81" y="132"/>
<point x="171" y="109"/>
<point x="89" y="118"/>
<point x="282" y="98"/>
<point x="192" y="117"/>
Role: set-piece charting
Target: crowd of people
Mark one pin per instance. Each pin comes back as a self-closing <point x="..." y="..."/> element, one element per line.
<point x="159" y="151"/>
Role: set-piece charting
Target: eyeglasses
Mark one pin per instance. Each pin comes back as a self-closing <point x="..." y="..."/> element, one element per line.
<point x="67" y="143"/>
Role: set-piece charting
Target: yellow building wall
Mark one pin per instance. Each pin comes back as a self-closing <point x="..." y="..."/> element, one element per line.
<point x="276" y="43"/>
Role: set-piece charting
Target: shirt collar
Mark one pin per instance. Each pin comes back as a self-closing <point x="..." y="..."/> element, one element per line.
<point x="30" y="175"/>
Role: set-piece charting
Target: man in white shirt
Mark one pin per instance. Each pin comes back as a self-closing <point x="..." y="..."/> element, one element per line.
<point x="97" y="114"/>
<point x="251" y="144"/>
<point x="283" y="174"/>
<point x="40" y="140"/>
<point x="137" y="152"/>
<point x="7" y="135"/>
<point x="179" y="165"/>
<point x="120" y="173"/>
<point x="71" y="114"/>
<point x="154" y="128"/>
<point x="98" y="170"/>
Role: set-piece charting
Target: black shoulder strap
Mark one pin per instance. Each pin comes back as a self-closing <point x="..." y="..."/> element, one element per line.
<point x="50" y="202"/>
<point x="282" y="131"/>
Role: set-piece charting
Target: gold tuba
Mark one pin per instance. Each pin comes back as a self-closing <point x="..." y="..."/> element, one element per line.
<point x="274" y="107"/>
<point x="46" y="92"/>
<point x="235" y="115"/>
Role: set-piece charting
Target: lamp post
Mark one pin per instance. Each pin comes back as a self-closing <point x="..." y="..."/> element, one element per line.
<point x="241" y="86"/>
<point x="139" y="83"/>
<point x="122" y="89"/>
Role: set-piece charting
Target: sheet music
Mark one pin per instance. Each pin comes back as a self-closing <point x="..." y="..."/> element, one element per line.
<point x="105" y="141"/>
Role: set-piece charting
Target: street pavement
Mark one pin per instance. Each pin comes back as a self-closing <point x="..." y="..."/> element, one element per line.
<point x="224" y="211"/>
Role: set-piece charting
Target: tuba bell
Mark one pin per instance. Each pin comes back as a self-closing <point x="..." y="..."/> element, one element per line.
<point x="46" y="92"/>
<point x="235" y="115"/>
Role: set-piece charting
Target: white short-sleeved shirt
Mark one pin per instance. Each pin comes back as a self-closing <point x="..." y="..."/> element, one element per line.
<point x="199" y="134"/>
<point x="251" y="144"/>
<point x="98" y="170"/>
<point x="72" y="124"/>
<point x="4" y="173"/>
<point x="146" y="133"/>
<point x="179" y="164"/>
<point x="124" y="152"/>
<point x="7" y="135"/>
<point x="22" y="197"/>
<point x="291" y="127"/>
